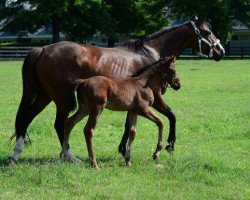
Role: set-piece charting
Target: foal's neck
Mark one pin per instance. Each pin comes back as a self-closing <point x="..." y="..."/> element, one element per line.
<point x="173" y="42"/>
<point x="151" y="77"/>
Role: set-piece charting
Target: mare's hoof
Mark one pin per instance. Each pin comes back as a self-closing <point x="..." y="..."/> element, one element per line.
<point x="12" y="161"/>
<point x="170" y="149"/>
<point x="128" y="163"/>
<point x="155" y="156"/>
<point x="70" y="158"/>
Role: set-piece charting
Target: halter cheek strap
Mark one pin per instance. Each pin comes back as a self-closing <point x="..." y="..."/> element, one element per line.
<point x="202" y="39"/>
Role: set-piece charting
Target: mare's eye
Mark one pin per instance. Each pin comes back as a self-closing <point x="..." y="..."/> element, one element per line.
<point x="208" y="32"/>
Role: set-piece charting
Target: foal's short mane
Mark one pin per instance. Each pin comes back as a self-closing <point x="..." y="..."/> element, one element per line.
<point x="147" y="67"/>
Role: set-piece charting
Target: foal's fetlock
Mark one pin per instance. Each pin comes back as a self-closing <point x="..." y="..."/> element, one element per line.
<point x="157" y="151"/>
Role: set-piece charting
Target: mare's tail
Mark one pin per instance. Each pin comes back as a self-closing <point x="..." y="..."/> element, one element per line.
<point x="72" y="96"/>
<point x="30" y="84"/>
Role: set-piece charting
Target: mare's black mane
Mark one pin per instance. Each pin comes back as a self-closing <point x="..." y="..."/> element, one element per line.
<point x="138" y="44"/>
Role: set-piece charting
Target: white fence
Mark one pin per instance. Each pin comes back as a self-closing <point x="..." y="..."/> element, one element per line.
<point x="14" y="52"/>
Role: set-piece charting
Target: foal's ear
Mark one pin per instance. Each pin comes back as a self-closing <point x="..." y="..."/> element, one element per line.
<point x="171" y="59"/>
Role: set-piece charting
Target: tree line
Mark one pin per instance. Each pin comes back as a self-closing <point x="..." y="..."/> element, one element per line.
<point x="80" y="19"/>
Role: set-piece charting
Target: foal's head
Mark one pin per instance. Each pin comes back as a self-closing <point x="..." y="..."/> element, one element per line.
<point x="168" y="70"/>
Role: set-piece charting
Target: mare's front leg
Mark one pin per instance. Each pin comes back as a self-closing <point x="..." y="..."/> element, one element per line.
<point x="151" y="116"/>
<point x="123" y="143"/>
<point x="69" y="125"/>
<point x="132" y="120"/>
<point x="162" y="107"/>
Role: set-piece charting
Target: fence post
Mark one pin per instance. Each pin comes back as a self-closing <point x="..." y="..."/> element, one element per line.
<point x="242" y="52"/>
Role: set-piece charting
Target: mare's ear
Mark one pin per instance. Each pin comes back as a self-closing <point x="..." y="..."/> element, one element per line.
<point x="201" y="18"/>
<point x="194" y="18"/>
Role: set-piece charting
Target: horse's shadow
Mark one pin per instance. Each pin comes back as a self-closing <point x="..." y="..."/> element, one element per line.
<point x="4" y="161"/>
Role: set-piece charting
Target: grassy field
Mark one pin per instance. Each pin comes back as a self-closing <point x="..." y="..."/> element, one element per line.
<point x="211" y="159"/>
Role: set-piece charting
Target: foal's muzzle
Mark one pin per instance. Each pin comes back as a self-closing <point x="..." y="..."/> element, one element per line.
<point x="176" y="84"/>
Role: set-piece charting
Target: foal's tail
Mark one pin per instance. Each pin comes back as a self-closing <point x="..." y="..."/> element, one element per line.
<point x="30" y="84"/>
<point x="72" y="96"/>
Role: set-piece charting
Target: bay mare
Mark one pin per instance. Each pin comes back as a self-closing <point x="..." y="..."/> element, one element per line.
<point x="48" y="71"/>
<point x="132" y="94"/>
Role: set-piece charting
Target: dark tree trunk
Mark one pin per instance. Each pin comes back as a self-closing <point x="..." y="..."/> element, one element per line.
<point x="55" y="29"/>
<point x="111" y="42"/>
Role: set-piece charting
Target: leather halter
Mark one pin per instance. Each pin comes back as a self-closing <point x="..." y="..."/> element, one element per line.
<point x="202" y="39"/>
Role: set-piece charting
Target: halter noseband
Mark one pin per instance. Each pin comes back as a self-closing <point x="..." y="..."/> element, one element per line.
<point x="200" y="39"/>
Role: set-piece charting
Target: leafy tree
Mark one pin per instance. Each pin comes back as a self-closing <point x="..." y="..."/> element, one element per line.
<point x="136" y="17"/>
<point x="219" y="12"/>
<point x="67" y="15"/>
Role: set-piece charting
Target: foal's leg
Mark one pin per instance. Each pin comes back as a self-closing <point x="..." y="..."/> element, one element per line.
<point x="132" y="118"/>
<point x="89" y="131"/>
<point x="162" y="107"/>
<point x="151" y="116"/>
<point x="69" y="125"/>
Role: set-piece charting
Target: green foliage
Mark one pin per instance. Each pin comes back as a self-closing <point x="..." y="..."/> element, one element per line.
<point x="219" y="12"/>
<point x="137" y="17"/>
<point x="80" y="19"/>
<point x="211" y="158"/>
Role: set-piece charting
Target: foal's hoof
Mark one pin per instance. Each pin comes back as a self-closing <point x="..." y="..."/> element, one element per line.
<point x="96" y="167"/>
<point x="170" y="149"/>
<point x="12" y="161"/>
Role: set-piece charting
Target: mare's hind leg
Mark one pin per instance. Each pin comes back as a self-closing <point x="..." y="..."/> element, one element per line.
<point x="24" y="117"/>
<point x="89" y="131"/>
<point x="69" y="125"/>
<point x="123" y="143"/>
<point x="151" y="116"/>
<point x="132" y="118"/>
<point x="62" y="114"/>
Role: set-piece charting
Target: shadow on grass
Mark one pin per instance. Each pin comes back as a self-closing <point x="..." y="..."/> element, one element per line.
<point x="4" y="161"/>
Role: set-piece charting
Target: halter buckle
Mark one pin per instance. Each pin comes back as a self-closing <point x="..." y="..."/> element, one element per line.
<point x="197" y="31"/>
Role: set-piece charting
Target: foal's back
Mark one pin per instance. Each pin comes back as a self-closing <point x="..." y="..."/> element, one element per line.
<point x="115" y="94"/>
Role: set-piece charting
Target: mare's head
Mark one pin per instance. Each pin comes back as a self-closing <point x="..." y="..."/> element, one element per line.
<point x="168" y="70"/>
<point x="204" y="41"/>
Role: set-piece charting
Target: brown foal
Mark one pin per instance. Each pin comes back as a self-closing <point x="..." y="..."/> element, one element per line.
<point x="132" y="94"/>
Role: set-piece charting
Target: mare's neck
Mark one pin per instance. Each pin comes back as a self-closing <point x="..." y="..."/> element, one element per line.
<point x="173" y="42"/>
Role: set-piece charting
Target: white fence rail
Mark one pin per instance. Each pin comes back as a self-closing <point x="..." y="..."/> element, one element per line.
<point x="14" y="52"/>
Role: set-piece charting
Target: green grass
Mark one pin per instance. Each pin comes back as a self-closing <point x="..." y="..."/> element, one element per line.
<point x="211" y="159"/>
